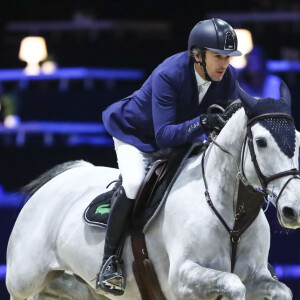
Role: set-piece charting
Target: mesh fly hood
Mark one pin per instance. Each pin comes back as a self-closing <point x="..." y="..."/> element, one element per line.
<point x="282" y="129"/>
<point x="266" y="106"/>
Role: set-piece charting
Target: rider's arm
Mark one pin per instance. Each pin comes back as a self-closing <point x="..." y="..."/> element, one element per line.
<point x="164" y="111"/>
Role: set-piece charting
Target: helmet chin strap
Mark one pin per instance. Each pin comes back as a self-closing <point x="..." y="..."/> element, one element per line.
<point x="203" y="64"/>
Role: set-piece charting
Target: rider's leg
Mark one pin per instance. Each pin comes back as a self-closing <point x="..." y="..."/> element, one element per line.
<point x="132" y="165"/>
<point x="110" y="273"/>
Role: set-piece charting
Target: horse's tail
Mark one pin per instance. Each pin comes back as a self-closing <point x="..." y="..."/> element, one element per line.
<point x="37" y="183"/>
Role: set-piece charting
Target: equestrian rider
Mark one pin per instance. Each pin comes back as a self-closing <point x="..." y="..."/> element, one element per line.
<point x="167" y="111"/>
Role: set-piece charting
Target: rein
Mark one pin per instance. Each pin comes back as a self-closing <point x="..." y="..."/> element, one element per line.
<point x="235" y="235"/>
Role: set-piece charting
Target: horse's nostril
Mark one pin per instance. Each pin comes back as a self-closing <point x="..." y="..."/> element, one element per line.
<point x="289" y="213"/>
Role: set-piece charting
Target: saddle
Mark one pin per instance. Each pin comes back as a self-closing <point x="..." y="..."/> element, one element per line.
<point x="150" y="193"/>
<point x="157" y="181"/>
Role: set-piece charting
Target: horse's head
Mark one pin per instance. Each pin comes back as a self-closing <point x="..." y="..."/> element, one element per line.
<point x="270" y="161"/>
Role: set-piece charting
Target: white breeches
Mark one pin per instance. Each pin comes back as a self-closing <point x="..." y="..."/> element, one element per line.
<point x="133" y="165"/>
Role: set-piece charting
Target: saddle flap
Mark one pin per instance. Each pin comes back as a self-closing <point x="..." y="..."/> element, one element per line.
<point x="148" y="187"/>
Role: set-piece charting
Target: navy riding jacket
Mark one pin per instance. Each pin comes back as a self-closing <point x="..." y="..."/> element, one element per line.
<point x="165" y="111"/>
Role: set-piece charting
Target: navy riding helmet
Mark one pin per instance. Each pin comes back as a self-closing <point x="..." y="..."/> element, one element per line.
<point x="216" y="35"/>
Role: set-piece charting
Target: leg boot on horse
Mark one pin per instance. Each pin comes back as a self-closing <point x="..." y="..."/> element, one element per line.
<point x="111" y="276"/>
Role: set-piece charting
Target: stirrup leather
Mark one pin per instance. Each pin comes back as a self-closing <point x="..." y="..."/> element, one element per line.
<point x="117" y="282"/>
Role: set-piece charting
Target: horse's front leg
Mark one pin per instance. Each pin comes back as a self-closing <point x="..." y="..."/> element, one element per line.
<point x="263" y="287"/>
<point x="191" y="281"/>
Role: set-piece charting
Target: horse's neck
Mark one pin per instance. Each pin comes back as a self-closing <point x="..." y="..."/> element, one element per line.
<point x="221" y="168"/>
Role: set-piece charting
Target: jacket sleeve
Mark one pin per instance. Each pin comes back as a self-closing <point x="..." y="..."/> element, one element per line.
<point x="164" y="111"/>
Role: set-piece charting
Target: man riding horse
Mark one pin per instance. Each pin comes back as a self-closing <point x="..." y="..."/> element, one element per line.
<point x="167" y="111"/>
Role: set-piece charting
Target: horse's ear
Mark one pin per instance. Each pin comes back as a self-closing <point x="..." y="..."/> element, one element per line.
<point x="298" y="135"/>
<point x="285" y="93"/>
<point x="247" y="100"/>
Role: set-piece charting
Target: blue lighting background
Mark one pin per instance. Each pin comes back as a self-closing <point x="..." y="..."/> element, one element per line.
<point x="104" y="51"/>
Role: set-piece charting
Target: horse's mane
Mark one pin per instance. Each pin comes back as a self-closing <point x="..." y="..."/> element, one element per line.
<point x="37" y="183"/>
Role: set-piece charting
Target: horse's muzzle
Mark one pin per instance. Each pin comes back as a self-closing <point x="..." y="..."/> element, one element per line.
<point x="290" y="217"/>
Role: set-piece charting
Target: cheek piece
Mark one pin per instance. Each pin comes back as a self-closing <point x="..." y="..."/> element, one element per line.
<point x="203" y="64"/>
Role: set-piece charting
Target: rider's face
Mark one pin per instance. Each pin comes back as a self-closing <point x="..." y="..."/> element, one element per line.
<point x="216" y="65"/>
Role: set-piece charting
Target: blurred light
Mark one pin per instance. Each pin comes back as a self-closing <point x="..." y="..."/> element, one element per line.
<point x="2" y="272"/>
<point x="48" y="67"/>
<point x="11" y="121"/>
<point x="283" y="66"/>
<point x="245" y="45"/>
<point x="33" y="50"/>
<point x="76" y="73"/>
<point x="239" y="62"/>
<point x="287" y="271"/>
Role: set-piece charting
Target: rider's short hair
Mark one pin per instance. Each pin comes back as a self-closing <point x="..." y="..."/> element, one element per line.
<point x="196" y="51"/>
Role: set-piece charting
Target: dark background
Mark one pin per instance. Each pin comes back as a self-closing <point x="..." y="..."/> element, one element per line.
<point x="119" y="47"/>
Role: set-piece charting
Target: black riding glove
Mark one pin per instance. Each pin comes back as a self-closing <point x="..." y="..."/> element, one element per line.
<point x="212" y="122"/>
<point x="231" y="109"/>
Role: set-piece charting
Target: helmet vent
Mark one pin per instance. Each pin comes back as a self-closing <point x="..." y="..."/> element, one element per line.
<point x="229" y="41"/>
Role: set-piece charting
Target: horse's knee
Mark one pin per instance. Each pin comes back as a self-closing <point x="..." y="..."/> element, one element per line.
<point x="232" y="287"/>
<point x="279" y="291"/>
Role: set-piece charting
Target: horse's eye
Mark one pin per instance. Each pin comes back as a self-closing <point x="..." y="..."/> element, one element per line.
<point x="261" y="142"/>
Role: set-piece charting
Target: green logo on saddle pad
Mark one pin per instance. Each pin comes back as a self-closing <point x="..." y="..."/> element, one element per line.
<point x="103" y="209"/>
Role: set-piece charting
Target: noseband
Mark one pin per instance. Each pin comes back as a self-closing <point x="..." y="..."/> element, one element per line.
<point x="265" y="180"/>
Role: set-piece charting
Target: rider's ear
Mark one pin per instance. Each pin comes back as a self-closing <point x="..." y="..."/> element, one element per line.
<point x="198" y="58"/>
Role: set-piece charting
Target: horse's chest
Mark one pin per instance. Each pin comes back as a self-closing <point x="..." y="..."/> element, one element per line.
<point x="216" y="248"/>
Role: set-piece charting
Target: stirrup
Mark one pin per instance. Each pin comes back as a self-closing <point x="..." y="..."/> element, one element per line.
<point x="115" y="284"/>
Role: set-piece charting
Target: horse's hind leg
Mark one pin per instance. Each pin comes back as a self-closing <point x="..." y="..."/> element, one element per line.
<point x="13" y="298"/>
<point x="22" y="285"/>
<point x="67" y="287"/>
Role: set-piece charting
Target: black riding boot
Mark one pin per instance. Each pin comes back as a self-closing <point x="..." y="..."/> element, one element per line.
<point x="111" y="276"/>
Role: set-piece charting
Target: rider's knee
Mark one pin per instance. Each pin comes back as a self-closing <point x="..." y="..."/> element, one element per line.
<point x="131" y="188"/>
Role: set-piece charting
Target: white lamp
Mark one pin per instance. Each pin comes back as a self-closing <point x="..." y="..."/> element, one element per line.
<point x="33" y="50"/>
<point x="245" y="45"/>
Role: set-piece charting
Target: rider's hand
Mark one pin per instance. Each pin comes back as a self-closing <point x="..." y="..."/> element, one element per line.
<point x="231" y="109"/>
<point x="212" y="122"/>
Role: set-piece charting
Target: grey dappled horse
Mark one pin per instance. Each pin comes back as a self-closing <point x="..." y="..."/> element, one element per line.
<point x="187" y="243"/>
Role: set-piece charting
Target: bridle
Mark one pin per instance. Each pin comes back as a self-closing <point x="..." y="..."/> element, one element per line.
<point x="265" y="180"/>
